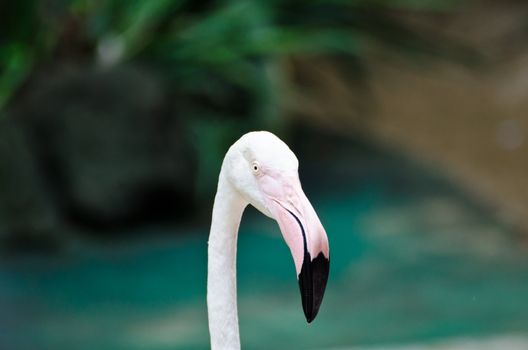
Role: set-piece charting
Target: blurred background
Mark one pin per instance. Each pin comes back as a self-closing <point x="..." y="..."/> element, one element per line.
<point x="409" y="119"/>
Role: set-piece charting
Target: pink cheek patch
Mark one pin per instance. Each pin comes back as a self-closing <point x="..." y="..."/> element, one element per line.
<point x="270" y="186"/>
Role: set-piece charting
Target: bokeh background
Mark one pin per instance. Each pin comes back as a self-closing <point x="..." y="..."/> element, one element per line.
<point x="409" y="118"/>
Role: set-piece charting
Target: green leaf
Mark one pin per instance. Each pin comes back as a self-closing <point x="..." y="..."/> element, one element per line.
<point x="17" y="62"/>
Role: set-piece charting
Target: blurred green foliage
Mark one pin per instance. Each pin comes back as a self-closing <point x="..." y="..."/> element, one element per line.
<point x="196" y="38"/>
<point x="221" y="59"/>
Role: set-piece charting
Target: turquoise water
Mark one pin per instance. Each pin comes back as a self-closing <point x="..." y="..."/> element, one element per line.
<point x="420" y="269"/>
<point x="412" y="261"/>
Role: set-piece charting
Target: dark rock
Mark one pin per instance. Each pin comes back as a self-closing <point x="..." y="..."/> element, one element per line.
<point x="26" y="209"/>
<point x="107" y="145"/>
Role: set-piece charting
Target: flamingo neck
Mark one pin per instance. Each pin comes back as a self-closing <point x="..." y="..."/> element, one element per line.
<point x="221" y="277"/>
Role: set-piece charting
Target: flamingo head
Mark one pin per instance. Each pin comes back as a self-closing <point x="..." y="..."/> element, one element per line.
<point x="264" y="171"/>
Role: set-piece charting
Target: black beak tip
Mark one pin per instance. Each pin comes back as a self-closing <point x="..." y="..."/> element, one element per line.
<point x="312" y="284"/>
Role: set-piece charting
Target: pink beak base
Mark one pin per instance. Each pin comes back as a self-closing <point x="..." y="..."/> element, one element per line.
<point x="304" y="235"/>
<point x="312" y="278"/>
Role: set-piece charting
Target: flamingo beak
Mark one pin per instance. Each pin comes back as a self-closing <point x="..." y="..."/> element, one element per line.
<point x="305" y="236"/>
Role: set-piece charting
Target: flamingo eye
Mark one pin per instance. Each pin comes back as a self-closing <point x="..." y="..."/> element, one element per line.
<point x="256" y="167"/>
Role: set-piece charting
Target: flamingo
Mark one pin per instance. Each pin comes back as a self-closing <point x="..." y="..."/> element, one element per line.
<point x="261" y="170"/>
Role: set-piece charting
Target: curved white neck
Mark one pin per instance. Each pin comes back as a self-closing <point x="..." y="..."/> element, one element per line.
<point x="221" y="277"/>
